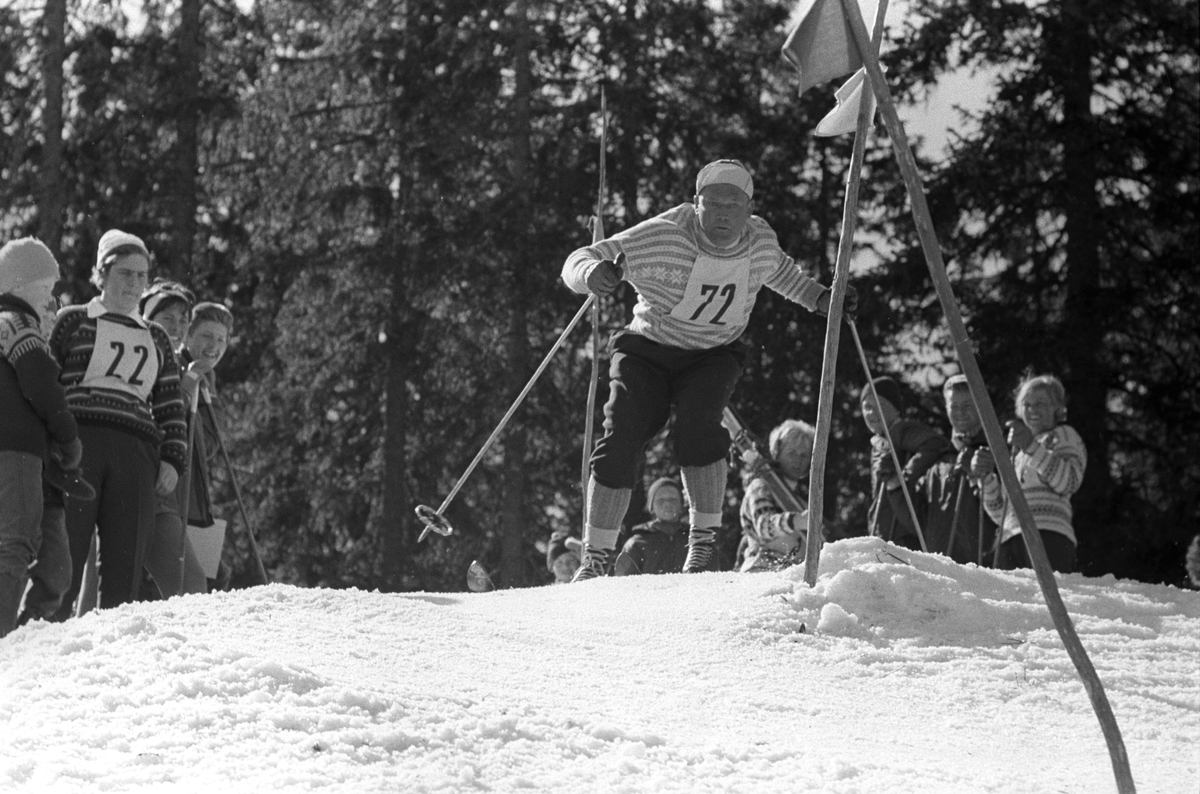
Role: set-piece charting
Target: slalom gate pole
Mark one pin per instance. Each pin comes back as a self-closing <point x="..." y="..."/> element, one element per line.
<point x="185" y="490"/>
<point x="833" y="325"/>
<point x="983" y="402"/>
<point x="887" y="433"/>
<point x="589" y="423"/>
<point x="237" y="492"/>
<point x="435" y="520"/>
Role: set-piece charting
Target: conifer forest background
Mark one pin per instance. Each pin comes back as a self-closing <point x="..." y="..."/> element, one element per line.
<point x="384" y="191"/>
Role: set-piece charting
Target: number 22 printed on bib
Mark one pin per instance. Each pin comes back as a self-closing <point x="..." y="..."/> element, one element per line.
<point x="123" y="359"/>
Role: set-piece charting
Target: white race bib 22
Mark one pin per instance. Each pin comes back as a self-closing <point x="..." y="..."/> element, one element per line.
<point x="124" y="359"/>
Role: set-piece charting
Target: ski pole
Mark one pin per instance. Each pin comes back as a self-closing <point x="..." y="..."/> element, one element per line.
<point x="589" y="424"/>
<point x="185" y="489"/>
<point x="981" y="514"/>
<point x="912" y="511"/>
<point x="957" y="515"/>
<point x="435" y="520"/>
<point x="237" y="492"/>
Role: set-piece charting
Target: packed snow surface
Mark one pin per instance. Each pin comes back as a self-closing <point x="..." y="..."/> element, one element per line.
<point x="898" y="672"/>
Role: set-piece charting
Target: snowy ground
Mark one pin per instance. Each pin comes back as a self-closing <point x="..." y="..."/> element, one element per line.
<point x="887" y="677"/>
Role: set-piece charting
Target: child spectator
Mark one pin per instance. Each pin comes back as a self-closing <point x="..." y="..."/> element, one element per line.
<point x="661" y="545"/>
<point x="774" y="537"/>
<point x="947" y="498"/>
<point x="918" y="447"/>
<point x="122" y="385"/>
<point x="1050" y="460"/>
<point x="36" y="422"/>
<point x="169" y="304"/>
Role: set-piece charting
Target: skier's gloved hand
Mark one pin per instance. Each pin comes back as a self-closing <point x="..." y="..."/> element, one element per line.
<point x="606" y="275"/>
<point x="849" y="302"/>
<point x="982" y="463"/>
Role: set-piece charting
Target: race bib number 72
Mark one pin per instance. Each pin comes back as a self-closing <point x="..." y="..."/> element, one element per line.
<point x="123" y="359"/>
<point x="715" y="292"/>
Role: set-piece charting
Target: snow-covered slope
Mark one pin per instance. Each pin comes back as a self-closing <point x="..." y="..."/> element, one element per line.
<point x="889" y="676"/>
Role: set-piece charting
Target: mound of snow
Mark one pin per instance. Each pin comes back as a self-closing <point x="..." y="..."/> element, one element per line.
<point x="897" y="672"/>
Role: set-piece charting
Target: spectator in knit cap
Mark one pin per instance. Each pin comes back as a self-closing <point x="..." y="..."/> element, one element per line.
<point x="122" y="384"/>
<point x="660" y="545"/>
<point x="36" y="421"/>
<point x="918" y="447"/>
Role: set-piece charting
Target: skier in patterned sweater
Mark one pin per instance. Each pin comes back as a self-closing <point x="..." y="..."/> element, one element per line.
<point x="36" y="420"/>
<point x="122" y="385"/>
<point x="697" y="269"/>
<point x="1050" y="460"/>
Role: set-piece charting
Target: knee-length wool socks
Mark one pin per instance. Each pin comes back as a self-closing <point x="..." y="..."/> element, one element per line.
<point x="705" y="487"/>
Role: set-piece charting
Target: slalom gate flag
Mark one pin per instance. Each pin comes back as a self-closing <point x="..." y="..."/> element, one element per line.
<point x="820" y="44"/>
<point x="844" y="118"/>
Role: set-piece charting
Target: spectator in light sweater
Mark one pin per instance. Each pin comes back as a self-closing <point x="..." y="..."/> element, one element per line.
<point x="773" y="536"/>
<point x="122" y="385"/>
<point x="1050" y="460"/>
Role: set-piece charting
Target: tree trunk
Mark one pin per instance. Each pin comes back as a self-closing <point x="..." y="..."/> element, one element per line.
<point x="403" y="334"/>
<point x="513" y="518"/>
<point x="51" y="200"/>
<point x="183" y="199"/>
<point x="1085" y="375"/>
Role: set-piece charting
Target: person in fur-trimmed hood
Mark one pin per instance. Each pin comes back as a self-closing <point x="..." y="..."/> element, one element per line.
<point x="36" y="422"/>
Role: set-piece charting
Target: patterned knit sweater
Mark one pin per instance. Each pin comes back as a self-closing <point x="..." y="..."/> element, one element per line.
<point x="1049" y="476"/>
<point x="773" y="537"/>
<point x="31" y="399"/>
<point x="120" y="372"/>
<point x="692" y="294"/>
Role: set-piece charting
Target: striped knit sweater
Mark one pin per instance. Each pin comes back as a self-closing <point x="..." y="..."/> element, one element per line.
<point x="31" y="399"/>
<point x="130" y="381"/>
<point x="1049" y="476"/>
<point x="772" y="535"/>
<point x="692" y="294"/>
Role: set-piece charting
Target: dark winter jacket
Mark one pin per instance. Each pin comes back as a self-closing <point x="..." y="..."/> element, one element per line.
<point x="658" y="546"/>
<point x="919" y="447"/>
<point x="946" y="490"/>
<point x="32" y="402"/>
